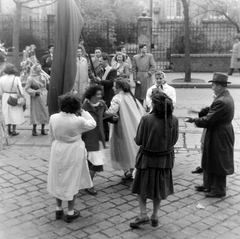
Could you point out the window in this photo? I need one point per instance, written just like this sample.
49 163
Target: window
179 8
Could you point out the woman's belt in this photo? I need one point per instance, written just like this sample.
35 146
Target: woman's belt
151 153
9 92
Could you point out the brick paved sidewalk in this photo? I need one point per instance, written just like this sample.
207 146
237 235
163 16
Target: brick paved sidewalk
27 210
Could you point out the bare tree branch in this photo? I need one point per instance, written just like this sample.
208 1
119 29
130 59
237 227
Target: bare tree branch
38 6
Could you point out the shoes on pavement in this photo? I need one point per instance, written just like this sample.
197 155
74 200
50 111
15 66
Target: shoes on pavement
154 222
215 195
59 214
91 191
139 221
14 133
70 218
201 188
44 132
197 170
34 133
127 176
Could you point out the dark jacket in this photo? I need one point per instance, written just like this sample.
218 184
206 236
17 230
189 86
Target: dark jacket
108 86
156 145
92 137
47 63
218 148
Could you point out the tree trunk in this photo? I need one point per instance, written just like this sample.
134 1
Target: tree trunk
16 34
187 41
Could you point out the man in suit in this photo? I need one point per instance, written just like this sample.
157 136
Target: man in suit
95 61
217 156
47 60
107 80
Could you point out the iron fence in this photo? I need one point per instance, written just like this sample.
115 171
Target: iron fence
167 37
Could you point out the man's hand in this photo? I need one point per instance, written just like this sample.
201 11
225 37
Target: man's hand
138 82
189 119
97 80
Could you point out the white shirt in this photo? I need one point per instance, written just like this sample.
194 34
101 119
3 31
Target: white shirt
167 89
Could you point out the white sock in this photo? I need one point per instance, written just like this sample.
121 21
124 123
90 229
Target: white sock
59 208
71 212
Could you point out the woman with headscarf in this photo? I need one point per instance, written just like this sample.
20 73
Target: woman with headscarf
156 135
10 85
36 87
123 149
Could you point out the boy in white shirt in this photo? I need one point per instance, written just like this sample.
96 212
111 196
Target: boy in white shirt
161 85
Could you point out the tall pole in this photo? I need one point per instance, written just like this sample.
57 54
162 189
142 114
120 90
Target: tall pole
151 7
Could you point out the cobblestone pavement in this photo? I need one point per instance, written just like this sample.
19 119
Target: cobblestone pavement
28 211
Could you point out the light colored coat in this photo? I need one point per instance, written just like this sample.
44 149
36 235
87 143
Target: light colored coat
11 114
68 169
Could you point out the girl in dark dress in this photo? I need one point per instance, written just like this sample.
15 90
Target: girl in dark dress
156 135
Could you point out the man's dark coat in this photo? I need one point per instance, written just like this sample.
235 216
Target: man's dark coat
218 148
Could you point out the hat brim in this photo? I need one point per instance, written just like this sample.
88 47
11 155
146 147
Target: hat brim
219 81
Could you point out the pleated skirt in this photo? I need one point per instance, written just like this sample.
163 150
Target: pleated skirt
153 183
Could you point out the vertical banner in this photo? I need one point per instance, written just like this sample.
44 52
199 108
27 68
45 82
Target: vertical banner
67 33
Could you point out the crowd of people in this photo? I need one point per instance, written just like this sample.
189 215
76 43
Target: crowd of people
139 125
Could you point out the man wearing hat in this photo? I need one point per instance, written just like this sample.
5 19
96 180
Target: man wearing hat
217 157
47 60
160 85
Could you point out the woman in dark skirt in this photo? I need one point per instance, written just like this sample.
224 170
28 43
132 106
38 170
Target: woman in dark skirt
156 135
95 139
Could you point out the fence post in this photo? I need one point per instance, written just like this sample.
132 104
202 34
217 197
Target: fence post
107 35
145 30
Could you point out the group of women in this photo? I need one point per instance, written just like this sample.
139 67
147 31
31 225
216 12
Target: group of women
36 87
138 141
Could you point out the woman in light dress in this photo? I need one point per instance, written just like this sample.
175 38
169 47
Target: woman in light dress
123 148
68 169
10 84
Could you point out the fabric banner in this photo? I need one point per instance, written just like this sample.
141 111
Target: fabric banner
67 33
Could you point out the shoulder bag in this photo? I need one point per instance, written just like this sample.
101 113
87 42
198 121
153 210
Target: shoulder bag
11 100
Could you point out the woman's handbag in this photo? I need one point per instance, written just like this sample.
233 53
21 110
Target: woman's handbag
11 100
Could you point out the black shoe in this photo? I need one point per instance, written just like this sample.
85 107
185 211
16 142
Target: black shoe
198 170
71 218
215 195
59 214
127 176
14 133
154 222
91 191
138 222
201 188
34 133
44 132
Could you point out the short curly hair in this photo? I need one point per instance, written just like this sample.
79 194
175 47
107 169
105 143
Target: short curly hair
92 90
162 104
69 103
10 69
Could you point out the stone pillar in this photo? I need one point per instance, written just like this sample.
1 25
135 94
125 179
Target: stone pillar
145 30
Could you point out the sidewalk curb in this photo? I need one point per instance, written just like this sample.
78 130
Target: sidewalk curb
200 85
